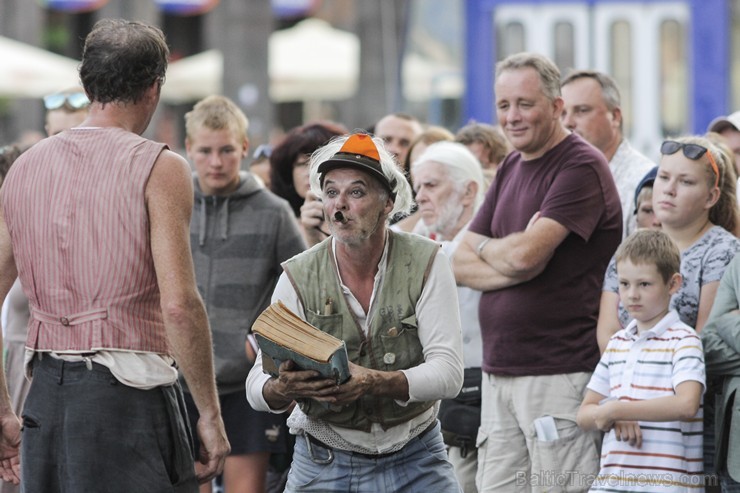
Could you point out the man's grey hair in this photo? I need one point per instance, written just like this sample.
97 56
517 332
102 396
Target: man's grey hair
609 87
545 68
402 190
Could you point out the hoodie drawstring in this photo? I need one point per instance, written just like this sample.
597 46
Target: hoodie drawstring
224 213
202 224
223 219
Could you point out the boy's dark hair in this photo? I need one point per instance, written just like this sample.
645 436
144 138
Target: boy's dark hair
8 155
651 247
299 141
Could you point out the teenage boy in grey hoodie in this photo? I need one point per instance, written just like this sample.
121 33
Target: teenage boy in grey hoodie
239 233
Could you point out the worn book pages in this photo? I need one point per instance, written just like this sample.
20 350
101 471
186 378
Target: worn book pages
283 335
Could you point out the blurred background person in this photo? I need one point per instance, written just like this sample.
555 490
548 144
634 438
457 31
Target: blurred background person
593 110
644 210
487 143
428 136
726 141
449 188
239 235
398 131
289 165
8 155
289 160
65 109
260 165
729 128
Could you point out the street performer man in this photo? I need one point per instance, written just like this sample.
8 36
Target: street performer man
392 298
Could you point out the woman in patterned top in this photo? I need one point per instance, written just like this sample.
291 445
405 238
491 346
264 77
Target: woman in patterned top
694 199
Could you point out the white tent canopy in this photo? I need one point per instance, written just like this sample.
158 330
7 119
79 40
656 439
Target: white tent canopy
310 61
313 61
194 77
31 72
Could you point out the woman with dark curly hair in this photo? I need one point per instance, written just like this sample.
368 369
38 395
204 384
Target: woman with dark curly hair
289 165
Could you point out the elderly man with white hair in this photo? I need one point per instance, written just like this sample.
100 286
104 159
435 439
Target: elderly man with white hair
392 298
449 185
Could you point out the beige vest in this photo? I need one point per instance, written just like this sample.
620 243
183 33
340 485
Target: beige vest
392 342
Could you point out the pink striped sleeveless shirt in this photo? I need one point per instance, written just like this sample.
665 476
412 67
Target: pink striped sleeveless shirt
74 206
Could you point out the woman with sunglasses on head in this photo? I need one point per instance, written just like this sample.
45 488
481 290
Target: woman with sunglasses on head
694 200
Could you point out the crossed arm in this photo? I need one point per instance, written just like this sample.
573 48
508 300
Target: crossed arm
623 415
507 261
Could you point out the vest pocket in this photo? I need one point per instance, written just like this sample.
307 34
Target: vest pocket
331 324
401 346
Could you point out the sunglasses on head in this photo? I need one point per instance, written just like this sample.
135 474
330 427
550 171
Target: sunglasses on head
262 151
691 151
74 101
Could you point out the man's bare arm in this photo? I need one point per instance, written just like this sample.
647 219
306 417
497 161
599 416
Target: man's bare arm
608 323
507 261
169 196
10 428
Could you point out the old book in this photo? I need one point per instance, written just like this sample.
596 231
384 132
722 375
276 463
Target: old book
283 335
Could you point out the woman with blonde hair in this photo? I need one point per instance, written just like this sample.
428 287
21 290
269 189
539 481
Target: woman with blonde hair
694 199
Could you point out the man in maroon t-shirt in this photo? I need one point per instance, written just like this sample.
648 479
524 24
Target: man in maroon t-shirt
538 248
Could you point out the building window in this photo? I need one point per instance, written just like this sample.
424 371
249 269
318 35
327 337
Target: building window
620 67
735 56
510 39
673 78
564 42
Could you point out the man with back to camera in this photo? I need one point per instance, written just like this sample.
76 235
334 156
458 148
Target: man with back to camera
592 110
391 297
112 292
64 110
538 249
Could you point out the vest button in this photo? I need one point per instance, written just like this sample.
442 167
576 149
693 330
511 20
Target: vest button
64 321
389 358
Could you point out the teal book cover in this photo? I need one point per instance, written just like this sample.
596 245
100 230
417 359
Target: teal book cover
273 354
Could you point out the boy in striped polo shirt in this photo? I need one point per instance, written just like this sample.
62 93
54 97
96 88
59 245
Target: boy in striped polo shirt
646 391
